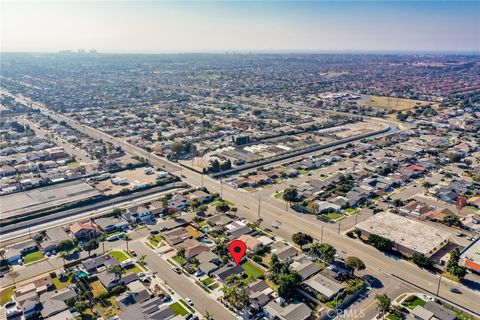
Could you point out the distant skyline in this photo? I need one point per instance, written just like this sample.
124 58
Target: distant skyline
278 26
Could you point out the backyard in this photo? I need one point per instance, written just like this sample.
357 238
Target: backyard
251 270
6 295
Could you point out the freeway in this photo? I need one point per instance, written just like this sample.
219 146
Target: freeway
291 222
13 230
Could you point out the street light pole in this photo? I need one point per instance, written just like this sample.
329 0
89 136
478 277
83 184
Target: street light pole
321 236
221 188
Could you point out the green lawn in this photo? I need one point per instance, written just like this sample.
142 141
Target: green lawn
73 164
119 255
155 240
178 309
135 269
332 216
180 260
214 286
416 302
393 317
207 281
60 284
251 270
32 257
350 210
186 305
6 295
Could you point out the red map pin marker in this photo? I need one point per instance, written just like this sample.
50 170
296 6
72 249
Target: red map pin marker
237 249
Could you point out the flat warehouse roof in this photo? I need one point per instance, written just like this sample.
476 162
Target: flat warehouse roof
408 233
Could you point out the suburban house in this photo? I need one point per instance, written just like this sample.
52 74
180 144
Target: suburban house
16 251
111 224
84 231
92 264
252 243
137 214
224 272
193 248
292 311
110 280
324 286
53 237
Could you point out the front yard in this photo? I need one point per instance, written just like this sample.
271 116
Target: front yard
178 309
6 295
32 257
119 255
155 240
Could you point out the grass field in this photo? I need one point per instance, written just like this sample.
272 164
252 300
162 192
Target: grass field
97 288
416 302
73 164
388 103
178 309
135 269
155 240
119 255
32 257
6 295
251 270
60 284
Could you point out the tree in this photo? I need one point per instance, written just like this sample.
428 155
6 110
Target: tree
127 239
383 303
328 252
380 242
102 239
421 260
90 246
355 264
117 270
181 253
13 275
452 221
290 194
63 255
222 207
301 239
287 282
65 245
81 306
234 293
453 267
257 223
315 250
397 203
427 185
177 148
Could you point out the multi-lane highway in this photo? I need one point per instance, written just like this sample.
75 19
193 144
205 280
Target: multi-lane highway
290 222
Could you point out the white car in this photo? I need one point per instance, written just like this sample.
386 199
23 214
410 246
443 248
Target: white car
189 301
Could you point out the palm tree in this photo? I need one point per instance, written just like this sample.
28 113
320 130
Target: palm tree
63 255
127 239
383 303
117 270
102 239
315 250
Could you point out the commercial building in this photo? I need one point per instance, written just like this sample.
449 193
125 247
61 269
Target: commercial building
409 236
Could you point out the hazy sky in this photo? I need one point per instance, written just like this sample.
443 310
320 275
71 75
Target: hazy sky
159 26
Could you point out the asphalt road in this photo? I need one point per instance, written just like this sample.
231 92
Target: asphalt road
291 222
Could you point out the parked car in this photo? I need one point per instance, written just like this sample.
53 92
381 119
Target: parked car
189 301
455 290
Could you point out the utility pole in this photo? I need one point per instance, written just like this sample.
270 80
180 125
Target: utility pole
321 236
221 188
201 175
258 213
438 286
356 217
339 224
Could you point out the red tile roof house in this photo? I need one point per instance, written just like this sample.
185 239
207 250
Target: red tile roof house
84 230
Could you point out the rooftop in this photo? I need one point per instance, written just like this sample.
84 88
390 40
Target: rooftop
408 233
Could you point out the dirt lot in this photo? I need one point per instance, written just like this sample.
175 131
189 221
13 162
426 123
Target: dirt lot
138 174
389 103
